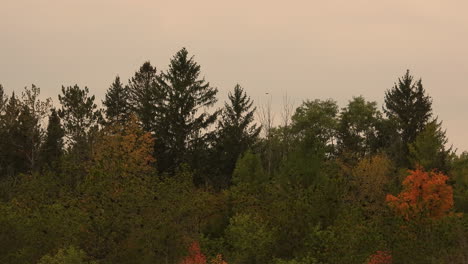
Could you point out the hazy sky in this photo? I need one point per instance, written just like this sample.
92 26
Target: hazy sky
309 49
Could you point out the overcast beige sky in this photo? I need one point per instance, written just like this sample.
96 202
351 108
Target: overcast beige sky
309 49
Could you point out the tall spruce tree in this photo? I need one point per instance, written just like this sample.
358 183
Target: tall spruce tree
52 148
409 106
117 102
80 115
236 132
181 101
142 90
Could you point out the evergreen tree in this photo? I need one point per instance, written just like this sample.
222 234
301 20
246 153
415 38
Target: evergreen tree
31 119
142 89
52 148
21 131
181 97
428 149
80 115
3 128
11 159
3 99
117 102
409 106
28 138
236 132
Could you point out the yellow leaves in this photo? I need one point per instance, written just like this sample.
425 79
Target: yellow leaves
369 178
218 260
124 150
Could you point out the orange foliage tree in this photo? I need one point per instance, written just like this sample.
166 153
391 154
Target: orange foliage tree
425 194
196 256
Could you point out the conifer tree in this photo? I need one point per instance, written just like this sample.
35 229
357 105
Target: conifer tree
21 131
116 102
428 149
142 89
181 122
3 99
236 131
409 106
33 112
11 160
80 115
52 148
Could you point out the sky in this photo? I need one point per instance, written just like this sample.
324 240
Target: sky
305 49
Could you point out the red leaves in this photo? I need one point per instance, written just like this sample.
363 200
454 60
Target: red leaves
195 257
425 194
381 257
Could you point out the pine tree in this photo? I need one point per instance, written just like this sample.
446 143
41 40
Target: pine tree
31 119
80 115
408 104
3 99
52 148
181 97
11 159
236 132
142 90
117 102
21 132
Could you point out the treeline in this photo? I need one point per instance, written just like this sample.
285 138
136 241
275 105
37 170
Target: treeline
160 175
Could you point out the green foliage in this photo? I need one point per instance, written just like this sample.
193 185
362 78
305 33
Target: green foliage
250 240
249 170
306 260
409 106
237 133
315 124
182 100
3 99
21 131
428 149
358 128
312 190
70 255
459 174
117 102
142 91
79 114
53 145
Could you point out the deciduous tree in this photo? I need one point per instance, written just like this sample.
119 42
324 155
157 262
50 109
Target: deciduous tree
425 194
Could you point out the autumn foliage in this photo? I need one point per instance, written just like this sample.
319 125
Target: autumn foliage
425 194
381 257
197 257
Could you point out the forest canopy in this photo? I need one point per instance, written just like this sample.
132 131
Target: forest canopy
160 174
